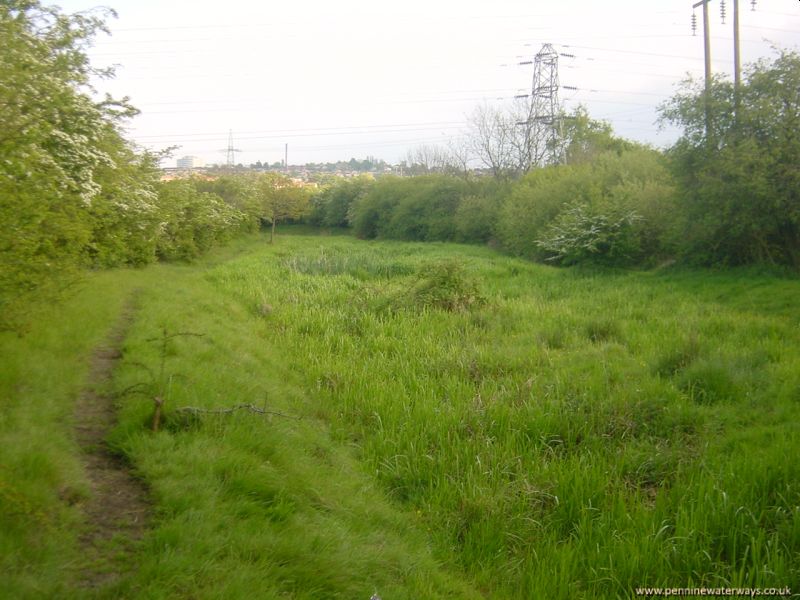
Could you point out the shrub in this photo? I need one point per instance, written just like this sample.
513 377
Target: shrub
475 218
445 286
331 207
616 209
192 222
581 234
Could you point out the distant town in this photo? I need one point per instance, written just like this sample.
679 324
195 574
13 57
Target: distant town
309 173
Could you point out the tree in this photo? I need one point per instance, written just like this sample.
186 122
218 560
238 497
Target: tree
280 199
55 141
460 156
739 179
489 133
506 140
584 138
238 191
124 215
427 159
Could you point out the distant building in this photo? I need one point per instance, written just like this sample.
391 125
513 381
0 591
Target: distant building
190 162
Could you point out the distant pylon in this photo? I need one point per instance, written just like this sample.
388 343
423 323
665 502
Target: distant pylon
230 158
545 109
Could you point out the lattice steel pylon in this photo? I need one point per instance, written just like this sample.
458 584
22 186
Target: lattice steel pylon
545 110
230 156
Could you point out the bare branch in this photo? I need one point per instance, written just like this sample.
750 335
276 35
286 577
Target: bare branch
226 411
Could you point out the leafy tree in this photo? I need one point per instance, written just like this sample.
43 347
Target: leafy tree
54 143
124 215
280 199
740 180
239 191
416 208
584 138
191 221
426 210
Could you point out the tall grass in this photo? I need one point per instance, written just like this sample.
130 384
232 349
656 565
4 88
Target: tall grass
572 434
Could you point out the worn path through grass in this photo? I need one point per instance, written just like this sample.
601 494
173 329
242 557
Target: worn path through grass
117 509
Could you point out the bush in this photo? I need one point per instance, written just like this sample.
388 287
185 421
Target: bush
443 285
331 207
370 213
191 221
582 234
475 218
617 209
417 208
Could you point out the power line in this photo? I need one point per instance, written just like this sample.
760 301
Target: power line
633 52
301 135
284 132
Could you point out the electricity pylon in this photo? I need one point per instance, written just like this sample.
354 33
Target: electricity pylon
230 156
545 110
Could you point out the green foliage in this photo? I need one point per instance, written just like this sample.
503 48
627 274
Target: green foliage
533 203
124 215
51 147
615 209
416 208
278 199
192 222
331 207
476 217
443 285
369 214
73 192
739 181
239 192
585 138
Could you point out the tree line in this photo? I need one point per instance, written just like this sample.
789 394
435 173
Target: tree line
727 193
75 194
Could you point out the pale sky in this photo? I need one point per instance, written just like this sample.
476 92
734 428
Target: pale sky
336 80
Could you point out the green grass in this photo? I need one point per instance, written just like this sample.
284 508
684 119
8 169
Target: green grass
455 424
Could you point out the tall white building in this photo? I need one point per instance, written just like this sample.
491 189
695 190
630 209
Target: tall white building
190 162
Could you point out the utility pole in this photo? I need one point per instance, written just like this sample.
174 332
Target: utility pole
737 56
707 53
286 158
737 59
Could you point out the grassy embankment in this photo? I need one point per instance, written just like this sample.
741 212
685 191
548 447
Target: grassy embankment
568 434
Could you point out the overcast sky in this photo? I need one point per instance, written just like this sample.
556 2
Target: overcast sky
352 78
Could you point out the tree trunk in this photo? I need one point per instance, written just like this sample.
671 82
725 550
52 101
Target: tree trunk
272 231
